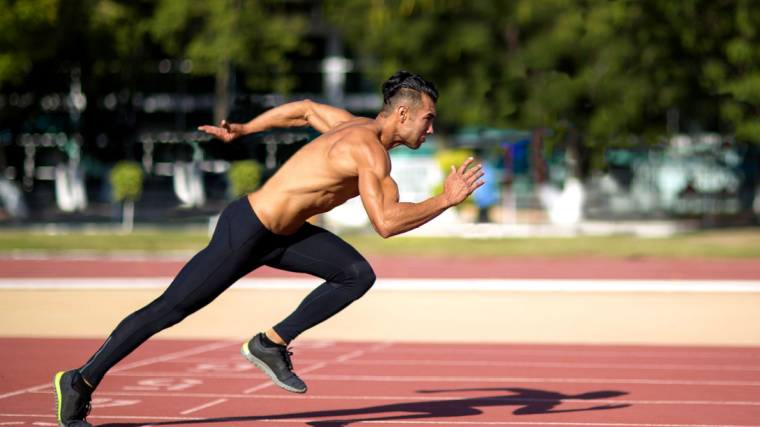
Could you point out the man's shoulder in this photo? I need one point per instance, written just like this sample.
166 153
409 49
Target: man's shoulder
360 142
357 133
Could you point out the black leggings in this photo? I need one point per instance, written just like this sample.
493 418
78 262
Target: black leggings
241 244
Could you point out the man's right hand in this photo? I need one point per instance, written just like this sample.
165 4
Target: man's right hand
226 133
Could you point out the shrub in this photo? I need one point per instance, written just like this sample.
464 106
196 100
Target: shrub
126 181
245 177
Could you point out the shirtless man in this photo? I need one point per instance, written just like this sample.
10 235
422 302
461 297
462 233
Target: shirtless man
268 227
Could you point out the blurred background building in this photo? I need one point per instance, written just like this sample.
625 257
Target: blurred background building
578 112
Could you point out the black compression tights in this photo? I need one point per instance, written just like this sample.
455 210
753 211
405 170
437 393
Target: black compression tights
240 244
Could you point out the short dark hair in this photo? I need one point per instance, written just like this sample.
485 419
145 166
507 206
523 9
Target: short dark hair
405 85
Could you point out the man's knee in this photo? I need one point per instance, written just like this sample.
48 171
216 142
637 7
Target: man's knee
359 278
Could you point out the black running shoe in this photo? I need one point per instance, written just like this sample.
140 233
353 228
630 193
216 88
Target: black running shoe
71 407
275 362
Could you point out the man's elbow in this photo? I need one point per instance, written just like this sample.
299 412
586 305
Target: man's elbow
383 230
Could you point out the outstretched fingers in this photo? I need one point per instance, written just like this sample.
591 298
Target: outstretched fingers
465 165
475 177
225 132
469 178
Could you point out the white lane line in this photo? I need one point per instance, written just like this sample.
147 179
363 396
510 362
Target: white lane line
589 351
532 380
643 366
176 355
349 356
466 379
311 368
431 398
149 361
468 285
381 346
46 387
259 387
424 362
398 422
270 383
207 405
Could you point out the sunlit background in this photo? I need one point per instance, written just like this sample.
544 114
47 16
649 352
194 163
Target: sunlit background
589 117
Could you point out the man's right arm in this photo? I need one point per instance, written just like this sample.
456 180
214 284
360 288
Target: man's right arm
294 114
380 196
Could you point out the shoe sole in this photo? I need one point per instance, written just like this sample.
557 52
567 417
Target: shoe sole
58 398
265 369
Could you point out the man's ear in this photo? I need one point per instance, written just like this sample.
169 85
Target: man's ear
403 113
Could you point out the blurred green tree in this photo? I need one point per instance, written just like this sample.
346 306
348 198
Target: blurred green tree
126 179
25 24
244 176
219 35
597 73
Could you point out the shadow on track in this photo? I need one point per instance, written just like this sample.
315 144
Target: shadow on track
529 402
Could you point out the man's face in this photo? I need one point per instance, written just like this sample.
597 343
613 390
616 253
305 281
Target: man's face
415 129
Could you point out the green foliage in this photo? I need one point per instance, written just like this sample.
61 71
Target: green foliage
245 177
25 24
126 180
607 70
256 36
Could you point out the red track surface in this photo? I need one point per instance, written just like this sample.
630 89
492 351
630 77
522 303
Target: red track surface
208 383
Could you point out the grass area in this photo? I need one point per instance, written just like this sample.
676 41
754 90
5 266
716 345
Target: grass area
730 243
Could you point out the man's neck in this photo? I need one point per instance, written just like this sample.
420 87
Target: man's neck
387 132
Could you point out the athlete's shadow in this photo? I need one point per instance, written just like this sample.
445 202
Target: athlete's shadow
528 401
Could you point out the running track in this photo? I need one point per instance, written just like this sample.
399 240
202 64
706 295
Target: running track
180 382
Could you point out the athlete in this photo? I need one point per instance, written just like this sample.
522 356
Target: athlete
269 227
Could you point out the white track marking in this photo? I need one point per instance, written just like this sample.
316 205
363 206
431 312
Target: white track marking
177 355
350 356
468 379
269 383
397 422
432 398
26 390
207 405
643 366
590 351
340 359
464 285
424 362
170 356
533 380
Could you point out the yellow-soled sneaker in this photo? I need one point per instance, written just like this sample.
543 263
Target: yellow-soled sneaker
72 407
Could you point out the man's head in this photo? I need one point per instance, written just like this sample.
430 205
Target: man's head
404 88
410 100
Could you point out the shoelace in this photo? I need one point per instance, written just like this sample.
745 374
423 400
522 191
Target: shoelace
83 408
286 353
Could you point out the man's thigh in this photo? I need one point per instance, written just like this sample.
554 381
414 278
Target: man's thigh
316 251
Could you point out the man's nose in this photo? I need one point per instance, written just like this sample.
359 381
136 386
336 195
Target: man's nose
430 129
